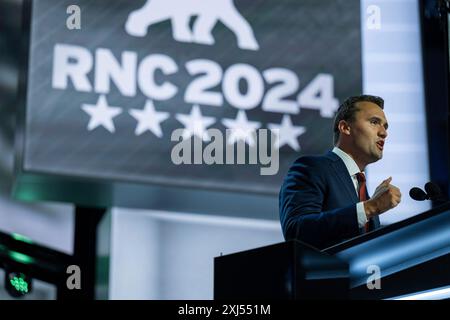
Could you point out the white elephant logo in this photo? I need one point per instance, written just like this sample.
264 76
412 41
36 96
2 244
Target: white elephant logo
208 13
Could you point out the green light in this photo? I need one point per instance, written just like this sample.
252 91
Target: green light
19 284
22 238
20 257
26 195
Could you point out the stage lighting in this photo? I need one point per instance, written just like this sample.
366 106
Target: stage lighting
17 284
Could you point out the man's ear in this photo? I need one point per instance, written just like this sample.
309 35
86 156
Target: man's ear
344 127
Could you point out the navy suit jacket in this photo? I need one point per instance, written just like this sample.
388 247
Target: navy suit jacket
318 202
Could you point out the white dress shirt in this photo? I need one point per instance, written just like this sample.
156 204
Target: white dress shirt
353 169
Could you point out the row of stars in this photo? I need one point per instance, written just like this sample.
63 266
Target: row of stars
195 124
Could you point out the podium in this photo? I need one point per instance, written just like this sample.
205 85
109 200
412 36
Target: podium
287 270
412 256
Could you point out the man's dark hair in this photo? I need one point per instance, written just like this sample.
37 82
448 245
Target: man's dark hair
348 109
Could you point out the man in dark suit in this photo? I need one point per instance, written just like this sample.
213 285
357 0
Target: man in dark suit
323 199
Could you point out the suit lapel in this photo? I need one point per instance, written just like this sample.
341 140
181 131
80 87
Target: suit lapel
342 173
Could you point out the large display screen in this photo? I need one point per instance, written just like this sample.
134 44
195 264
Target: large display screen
162 91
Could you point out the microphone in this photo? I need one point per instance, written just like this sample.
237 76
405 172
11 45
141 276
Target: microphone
433 191
418 194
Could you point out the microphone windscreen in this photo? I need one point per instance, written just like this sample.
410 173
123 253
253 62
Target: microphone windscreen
433 189
417 194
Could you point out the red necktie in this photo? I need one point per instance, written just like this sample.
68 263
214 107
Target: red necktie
362 194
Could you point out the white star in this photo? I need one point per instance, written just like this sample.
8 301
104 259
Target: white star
101 114
195 123
242 129
149 119
288 133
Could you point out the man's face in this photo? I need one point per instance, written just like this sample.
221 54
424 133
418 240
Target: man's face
368 132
